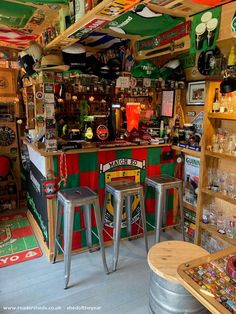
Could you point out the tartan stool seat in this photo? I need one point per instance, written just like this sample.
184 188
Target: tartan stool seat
122 191
69 199
161 184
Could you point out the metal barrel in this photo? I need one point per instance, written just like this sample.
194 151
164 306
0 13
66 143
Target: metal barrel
168 297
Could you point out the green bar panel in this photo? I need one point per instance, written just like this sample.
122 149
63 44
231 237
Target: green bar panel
167 169
101 180
142 175
154 156
126 153
88 162
55 165
94 238
83 238
73 181
77 221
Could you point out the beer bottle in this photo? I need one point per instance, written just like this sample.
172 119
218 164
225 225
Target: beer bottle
216 102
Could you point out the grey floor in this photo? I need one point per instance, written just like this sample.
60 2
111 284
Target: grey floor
37 286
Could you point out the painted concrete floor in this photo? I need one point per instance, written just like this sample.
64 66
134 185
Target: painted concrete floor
36 286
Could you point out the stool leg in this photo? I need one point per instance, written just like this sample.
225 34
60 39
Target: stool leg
88 225
57 230
143 215
159 211
68 230
128 209
116 231
100 233
181 208
164 207
104 207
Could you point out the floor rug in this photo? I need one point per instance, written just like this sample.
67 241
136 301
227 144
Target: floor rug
17 240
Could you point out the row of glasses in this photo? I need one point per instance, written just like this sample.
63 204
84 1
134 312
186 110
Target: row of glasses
215 216
221 181
224 141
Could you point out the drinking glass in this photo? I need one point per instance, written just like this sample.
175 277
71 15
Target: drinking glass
213 214
209 178
221 222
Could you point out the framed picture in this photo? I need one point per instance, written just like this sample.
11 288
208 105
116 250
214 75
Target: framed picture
167 103
196 93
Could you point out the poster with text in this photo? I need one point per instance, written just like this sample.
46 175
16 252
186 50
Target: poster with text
191 179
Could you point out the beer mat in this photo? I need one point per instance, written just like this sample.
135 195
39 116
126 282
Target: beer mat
17 240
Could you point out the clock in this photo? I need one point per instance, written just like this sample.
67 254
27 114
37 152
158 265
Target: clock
7 136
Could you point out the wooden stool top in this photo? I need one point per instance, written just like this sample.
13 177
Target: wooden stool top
165 257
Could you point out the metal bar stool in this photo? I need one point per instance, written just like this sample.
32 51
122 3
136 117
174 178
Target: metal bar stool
161 184
69 199
123 190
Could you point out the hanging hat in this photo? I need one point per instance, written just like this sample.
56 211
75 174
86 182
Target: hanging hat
52 62
75 56
26 61
93 65
114 65
35 50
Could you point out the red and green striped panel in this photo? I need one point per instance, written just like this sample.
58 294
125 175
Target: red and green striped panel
83 170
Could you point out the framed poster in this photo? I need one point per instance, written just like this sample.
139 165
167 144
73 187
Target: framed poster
196 93
167 103
7 82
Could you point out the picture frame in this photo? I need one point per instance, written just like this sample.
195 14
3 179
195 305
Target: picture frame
167 103
196 93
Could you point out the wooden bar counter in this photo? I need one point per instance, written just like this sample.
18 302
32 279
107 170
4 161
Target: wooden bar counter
92 167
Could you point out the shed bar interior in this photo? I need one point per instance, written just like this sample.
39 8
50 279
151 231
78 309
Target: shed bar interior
118 149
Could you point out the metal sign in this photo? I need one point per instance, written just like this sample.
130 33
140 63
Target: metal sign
167 37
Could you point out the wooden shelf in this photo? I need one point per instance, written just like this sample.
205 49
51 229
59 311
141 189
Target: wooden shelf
219 195
186 151
220 155
222 116
189 206
214 232
190 220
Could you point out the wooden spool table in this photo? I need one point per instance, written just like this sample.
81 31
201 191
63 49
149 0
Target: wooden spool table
166 294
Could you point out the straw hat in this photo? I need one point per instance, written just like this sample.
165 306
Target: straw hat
52 62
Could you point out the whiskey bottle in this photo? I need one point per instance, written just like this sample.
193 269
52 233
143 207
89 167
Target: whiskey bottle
216 102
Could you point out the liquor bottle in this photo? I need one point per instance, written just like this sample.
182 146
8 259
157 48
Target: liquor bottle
216 102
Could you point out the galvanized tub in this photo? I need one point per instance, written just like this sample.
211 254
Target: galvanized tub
168 297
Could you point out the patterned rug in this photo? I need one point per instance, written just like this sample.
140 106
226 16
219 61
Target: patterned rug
17 240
